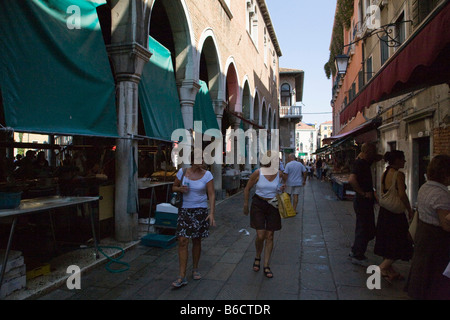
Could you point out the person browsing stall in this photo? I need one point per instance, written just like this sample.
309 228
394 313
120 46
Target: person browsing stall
392 235
361 181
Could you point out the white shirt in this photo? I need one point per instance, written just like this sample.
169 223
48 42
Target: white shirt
432 196
294 170
265 188
197 196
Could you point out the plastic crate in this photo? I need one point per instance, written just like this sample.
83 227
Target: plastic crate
166 220
166 207
39 271
10 200
159 240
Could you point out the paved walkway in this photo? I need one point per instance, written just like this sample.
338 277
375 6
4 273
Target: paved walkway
310 261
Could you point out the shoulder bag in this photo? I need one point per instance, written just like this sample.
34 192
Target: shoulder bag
176 198
413 226
390 200
285 207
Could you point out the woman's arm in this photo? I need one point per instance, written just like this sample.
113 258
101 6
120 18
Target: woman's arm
177 187
444 219
212 202
251 182
283 180
401 188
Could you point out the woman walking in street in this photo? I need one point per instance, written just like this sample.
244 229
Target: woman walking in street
432 238
264 217
197 186
392 235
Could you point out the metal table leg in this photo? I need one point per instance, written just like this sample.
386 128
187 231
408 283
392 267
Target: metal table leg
150 210
8 248
91 213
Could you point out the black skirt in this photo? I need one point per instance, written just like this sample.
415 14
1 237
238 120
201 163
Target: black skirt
192 223
392 236
264 216
431 257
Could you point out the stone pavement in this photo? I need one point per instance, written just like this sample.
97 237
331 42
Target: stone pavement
310 261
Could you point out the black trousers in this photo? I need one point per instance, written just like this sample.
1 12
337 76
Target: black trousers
365 225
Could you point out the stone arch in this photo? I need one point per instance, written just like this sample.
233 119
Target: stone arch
274 120
255 116
209 63
170 24
263 113
246 101
232 88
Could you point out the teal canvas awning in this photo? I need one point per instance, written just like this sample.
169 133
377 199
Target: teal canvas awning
204 109
158 95
55 75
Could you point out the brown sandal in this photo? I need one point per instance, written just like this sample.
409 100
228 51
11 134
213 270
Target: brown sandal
268 272
257 267
386 276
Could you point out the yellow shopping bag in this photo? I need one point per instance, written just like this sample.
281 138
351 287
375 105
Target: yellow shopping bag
285 206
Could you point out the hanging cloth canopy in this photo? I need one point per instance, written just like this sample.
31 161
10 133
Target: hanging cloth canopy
158 95
55 75
204 110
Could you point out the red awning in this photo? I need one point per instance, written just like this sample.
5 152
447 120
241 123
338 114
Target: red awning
363 128
422 61
254 124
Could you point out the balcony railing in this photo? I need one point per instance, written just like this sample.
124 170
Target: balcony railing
291 112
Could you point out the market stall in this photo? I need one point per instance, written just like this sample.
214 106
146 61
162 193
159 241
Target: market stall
41 205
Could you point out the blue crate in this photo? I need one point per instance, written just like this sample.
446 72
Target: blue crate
10 200
166 219
159 240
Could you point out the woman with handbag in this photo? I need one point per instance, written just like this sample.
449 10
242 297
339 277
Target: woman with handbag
392 231
264 217
426 279
197 186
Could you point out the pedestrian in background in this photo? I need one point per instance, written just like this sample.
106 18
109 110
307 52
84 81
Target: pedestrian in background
392 231
319 168
264 217
295 175
194 221
361 181
432 239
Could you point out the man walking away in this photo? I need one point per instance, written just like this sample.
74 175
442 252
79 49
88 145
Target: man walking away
295 177
361 182
319 169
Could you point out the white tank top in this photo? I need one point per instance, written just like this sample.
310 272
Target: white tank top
265 188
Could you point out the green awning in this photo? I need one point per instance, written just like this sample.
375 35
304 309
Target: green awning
55 77
158 95
204 109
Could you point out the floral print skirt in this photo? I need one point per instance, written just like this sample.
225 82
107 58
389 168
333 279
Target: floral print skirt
192 223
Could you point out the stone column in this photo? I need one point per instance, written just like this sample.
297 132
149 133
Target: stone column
128 60
128 54
216 170
188 90
188 93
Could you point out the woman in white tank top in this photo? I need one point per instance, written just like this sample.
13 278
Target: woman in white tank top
263 216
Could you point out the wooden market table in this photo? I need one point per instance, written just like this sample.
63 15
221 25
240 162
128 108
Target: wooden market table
43 204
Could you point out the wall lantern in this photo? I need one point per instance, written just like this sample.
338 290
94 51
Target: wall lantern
341 61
